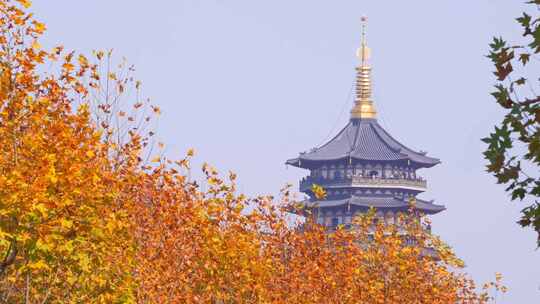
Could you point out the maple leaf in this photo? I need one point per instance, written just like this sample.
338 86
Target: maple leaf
36 45
85 220
25 3
318 191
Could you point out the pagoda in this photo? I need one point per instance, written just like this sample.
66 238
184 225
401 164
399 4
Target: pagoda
363 166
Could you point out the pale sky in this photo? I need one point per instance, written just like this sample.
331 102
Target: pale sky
249 84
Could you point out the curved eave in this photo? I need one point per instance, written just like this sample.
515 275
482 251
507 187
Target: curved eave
416 157
363 140
293 162
378 203
307 162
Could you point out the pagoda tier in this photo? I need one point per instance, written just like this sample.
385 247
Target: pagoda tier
363 140
355 204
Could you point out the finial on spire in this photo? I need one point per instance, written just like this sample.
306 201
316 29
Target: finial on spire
363 104
363 52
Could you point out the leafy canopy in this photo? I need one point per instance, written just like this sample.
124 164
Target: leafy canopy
89 213
513 151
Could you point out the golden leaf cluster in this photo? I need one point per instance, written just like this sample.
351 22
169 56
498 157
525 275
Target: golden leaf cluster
87 215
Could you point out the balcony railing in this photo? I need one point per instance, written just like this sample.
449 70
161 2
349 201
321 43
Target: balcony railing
365 182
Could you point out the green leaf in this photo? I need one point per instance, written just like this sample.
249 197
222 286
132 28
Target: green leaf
502 96
497 44
520 81
519 192
525 20
487 140
524 58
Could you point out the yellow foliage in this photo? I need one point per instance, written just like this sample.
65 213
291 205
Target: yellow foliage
84 219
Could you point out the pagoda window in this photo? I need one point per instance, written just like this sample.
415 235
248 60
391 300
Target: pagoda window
379 170
331 172
324 172
395 172
342 171
388 171
373 174
390 217
320 220
328 219
358 170
338 219
348 219
399 218
349 172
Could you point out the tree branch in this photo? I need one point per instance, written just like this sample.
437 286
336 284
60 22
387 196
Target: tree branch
9 259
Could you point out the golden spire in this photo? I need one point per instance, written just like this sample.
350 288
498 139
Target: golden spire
363 105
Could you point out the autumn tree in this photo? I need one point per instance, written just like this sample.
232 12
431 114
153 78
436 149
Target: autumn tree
91 213
219 247
513 151
63 221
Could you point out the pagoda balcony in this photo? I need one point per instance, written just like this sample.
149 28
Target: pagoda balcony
365 182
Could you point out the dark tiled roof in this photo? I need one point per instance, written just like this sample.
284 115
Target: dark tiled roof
378 202
364 139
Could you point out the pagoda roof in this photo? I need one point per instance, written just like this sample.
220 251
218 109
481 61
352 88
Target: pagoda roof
363 139
427 207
